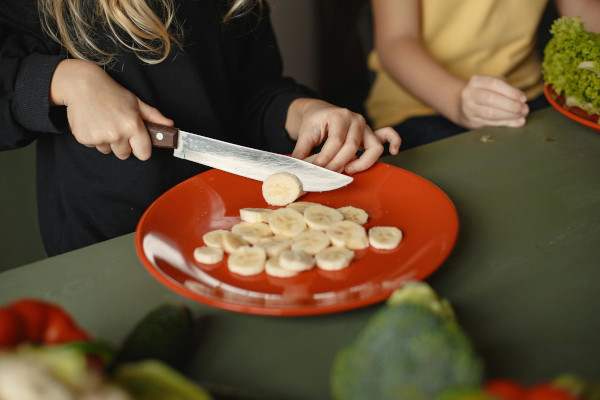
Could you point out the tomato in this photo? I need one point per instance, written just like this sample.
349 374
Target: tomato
12 329
35 315
504 389
547 391
60 328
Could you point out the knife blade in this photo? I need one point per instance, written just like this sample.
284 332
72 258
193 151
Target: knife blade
244 161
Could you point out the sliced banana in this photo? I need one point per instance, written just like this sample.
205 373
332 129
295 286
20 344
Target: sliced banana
214 238
311 241
311 158
286 222
281 188
247 260
208 255
334 258
385 237
300 206
348 234
232 241
354 214
255 214
296 260
252 231
273 268
274 245
320 217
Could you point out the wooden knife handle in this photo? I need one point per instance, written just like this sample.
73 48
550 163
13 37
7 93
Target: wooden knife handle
162 136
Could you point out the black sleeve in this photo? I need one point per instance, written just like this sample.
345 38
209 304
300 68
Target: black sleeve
26 68
266 94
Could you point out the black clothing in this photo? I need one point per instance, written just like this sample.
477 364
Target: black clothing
225 82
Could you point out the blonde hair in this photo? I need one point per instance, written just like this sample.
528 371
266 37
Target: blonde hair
147 28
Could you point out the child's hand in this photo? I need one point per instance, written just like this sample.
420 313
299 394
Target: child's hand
102 113
312 122
488 100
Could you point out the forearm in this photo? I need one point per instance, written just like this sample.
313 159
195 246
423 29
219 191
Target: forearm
408 63
587 10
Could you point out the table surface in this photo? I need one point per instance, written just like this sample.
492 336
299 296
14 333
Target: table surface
523 277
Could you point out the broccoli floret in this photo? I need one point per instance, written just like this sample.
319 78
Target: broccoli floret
412 348
572 64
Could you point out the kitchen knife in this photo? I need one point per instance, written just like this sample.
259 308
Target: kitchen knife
243 161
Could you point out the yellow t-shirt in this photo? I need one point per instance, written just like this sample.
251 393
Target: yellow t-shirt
468 37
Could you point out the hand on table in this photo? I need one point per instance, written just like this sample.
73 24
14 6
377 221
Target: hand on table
102 113
312 122
488 100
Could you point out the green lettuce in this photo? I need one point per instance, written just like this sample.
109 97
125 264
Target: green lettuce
572 64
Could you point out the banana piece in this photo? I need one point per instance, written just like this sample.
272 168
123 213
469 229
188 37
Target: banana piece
214 238
354 214
255 214
232 241
300 206
273 268
311 158
334 258
208 255
385 237
247 260
296 260
319 217
286 222
348 234
310 241
274 245
281 188
252 231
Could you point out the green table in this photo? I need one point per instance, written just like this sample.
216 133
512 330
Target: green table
524 276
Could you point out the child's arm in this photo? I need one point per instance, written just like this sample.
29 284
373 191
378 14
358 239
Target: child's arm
587 10
484 100
311 122
102 113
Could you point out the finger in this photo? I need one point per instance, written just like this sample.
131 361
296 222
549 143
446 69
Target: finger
103 148
493 113
389 135
140 145
498 85
512 122
151 114
342 143
121 149
373 149
304 146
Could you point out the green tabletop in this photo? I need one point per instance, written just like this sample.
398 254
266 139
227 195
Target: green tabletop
524 275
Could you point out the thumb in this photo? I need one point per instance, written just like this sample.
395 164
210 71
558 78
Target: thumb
151 114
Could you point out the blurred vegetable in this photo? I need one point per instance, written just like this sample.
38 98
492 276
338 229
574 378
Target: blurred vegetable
572 64
39 322
412 348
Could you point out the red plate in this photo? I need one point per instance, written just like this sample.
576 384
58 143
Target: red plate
575 113
173 226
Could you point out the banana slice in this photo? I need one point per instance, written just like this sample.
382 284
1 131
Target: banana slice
247 260
255 214
296 260
348 234
252 231
300 206
214 238
282 188
385 237
286 222
334 258
208 255
274 245
310 241
311 158
354 214
320 217
232 241
273 268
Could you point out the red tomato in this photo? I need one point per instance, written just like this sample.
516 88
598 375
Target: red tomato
504 389
547 391
35 315
60 328
12 329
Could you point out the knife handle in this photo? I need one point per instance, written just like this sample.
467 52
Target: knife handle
162 136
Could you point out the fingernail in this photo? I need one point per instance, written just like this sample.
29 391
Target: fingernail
350 170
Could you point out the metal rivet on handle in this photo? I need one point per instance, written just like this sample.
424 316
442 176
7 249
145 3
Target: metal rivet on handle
159 136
